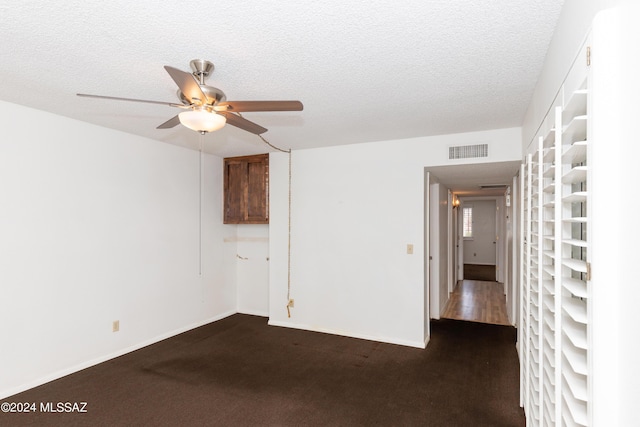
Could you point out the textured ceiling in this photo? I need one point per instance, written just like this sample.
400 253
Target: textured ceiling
365 70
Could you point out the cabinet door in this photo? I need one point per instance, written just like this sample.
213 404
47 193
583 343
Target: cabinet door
234 189
257 211
246 190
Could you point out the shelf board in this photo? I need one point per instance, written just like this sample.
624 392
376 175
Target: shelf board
575 264
576 105
576 242
550 138
549 154
548 320
576 410
549 188
576 130
549 414
575 286
536 347
550 171
551 254
575 175
549 269
577 335
577 384
548 366
576 309
575 153
576 358
576 197
549 286
575 220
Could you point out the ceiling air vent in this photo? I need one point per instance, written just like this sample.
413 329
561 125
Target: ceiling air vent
468 151
493 186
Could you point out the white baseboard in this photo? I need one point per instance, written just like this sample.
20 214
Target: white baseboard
254 312
83 365
481 263
406 343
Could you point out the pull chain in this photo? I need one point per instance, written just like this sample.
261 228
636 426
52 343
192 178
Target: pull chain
289 301
289 246
201 140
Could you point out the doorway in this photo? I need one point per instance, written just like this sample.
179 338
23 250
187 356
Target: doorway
473 184
479 234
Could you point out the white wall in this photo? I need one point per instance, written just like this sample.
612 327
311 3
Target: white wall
354 210
96 226
623 177
615 112
501 249
253 269
438 241
481 248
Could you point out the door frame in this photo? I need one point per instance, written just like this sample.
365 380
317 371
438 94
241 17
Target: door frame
427 255
499 234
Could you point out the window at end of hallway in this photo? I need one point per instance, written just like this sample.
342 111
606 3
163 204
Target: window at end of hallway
467 222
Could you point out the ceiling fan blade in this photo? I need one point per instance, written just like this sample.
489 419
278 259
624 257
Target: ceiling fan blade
115 98
172 122
242 123
188 85
242 106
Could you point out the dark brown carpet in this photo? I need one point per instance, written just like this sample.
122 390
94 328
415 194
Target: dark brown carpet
241 372
486 273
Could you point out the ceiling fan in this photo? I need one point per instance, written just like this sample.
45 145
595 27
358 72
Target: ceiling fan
206 107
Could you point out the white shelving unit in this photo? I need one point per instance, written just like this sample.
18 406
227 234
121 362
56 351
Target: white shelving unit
555 295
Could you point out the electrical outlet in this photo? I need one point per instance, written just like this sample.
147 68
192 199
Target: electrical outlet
410 249
291 302
116 325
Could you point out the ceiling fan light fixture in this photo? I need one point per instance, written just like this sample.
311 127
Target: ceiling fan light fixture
202 120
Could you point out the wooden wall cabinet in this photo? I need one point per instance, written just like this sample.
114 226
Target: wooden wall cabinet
246 189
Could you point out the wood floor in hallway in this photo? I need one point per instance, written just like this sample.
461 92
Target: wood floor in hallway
478 301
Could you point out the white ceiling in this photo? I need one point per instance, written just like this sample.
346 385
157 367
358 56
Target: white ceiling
364 70
480 179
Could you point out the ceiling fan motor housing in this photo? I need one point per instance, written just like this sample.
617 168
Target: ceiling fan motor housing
214 95
201 69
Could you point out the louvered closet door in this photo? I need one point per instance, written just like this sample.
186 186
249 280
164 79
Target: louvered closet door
548 263
531 349
574 248
554 344
525 237
542 363
535 334
523 330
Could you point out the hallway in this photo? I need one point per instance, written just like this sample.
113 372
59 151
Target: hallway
477 301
